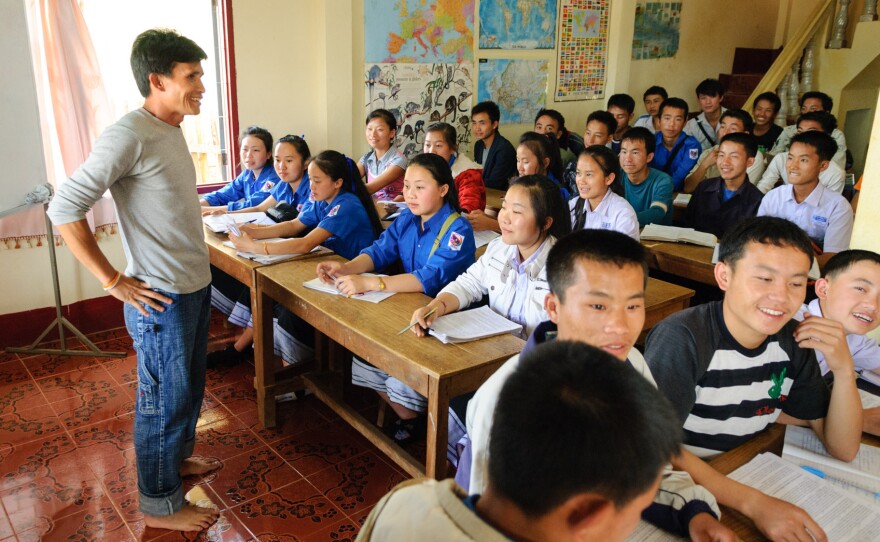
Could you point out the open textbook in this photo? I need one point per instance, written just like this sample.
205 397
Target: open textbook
861 476
483 237
371 296
220 223
673 234
471 325
842 515
272 258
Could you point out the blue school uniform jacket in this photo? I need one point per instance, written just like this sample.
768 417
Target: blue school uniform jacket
245 191
405 240
300 200
683 161
344 217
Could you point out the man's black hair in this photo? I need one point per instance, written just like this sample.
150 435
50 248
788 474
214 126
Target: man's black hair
655 91
745 118
489 108
600 246
771 97
675 103
826 120
822 143
843 260
572 419
710 87
746 140
553 114
605 118
623 101
827 102
157 51
765 230
640 133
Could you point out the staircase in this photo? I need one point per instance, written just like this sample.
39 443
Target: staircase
749 67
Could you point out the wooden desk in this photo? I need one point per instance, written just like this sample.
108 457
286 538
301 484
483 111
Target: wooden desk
437 371
493 198
771 440
663 299
687 261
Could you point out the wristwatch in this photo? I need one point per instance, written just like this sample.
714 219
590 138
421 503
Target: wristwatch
381 284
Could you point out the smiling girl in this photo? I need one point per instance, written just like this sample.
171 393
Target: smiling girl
384 164
434 245
441 139
256 180
597 206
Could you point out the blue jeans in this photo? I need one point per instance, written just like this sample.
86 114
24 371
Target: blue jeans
171 351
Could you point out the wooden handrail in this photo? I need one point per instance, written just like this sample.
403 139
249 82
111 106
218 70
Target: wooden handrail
792 50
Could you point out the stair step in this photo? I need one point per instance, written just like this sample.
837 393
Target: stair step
737 100
751 60
740 82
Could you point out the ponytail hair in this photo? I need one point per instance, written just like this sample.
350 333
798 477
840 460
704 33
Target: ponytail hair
441 172
338 166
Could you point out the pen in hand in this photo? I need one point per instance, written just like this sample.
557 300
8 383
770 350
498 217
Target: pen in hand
412 325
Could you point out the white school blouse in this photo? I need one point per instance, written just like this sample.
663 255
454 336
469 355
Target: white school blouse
612 213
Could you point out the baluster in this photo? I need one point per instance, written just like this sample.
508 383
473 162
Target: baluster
793 87
838 35
782 92
870 13
808 64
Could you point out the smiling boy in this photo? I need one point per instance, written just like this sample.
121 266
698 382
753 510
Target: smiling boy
731 368
675 152
710 94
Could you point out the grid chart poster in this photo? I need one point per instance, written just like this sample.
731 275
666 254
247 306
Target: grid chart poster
583 50
419 95
519 87
656 30
517 24
419 31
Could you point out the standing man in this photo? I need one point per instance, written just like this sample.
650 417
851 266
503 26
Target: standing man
144 161
492 150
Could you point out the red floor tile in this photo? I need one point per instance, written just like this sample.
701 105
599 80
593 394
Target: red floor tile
224 376
7 356
315 450
45 365
76 383
342 531
289 513
292 417
123 370
224 439
118 473
238 397
250 475
99 521
227 528
32 460
12 370
39 503
107 437
94 407
5 527
357 483
28 425
210 415
20 396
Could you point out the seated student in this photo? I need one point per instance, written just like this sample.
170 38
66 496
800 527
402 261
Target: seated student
256 181
732 121
720 202
384 164
588 489
832 178
228 295
825 216
704 127
648 190
849 293
599 131
810 102
492 150
597 206
551 122
731 368
597 296
652 97
434 244
441 139
341 218
676 152
622 107
764 110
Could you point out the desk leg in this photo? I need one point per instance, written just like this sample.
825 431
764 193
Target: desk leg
438 418
264 356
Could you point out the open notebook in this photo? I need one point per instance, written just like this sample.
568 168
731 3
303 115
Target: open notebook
220 223
272 258
471 325
371 296
673 234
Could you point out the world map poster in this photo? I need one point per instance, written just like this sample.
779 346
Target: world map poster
519 87
656 30
517 24
419 31
583 49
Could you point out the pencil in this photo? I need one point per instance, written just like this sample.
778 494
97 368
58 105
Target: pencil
412 325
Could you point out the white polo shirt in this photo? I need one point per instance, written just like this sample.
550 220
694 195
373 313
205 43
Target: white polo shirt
825 215
693 128
832 178
612 213
864 350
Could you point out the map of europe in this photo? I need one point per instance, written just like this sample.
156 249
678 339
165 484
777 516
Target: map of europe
519 87
419 31
518 24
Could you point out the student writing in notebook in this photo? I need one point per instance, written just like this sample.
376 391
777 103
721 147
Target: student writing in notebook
849 293
732 368
434 245
256 181
341 218
597 296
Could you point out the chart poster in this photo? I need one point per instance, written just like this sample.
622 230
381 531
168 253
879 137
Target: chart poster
517 24
583 50
656 30
519 87
419 95
419 31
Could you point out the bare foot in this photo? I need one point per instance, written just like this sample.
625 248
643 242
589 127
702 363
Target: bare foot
188 518
193 466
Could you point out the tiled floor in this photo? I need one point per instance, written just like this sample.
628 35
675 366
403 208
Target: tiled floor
67 458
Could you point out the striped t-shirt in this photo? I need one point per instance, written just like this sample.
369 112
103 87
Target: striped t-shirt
726 394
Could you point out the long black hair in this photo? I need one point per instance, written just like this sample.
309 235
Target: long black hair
338 166
442 173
